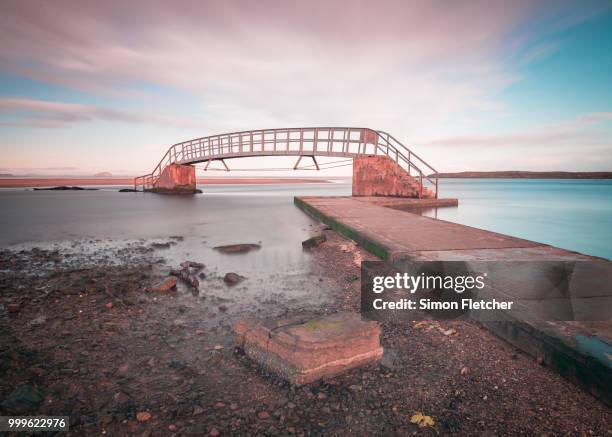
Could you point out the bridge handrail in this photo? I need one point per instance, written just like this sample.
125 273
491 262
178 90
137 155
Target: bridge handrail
408 159
396 141
385 143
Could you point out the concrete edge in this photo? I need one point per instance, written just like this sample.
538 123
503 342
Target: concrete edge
533 338
558 353
371 246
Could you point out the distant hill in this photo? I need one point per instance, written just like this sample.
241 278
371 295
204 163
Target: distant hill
104 174
529 174
6 175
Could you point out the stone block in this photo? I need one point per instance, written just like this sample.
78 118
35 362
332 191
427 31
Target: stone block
303 350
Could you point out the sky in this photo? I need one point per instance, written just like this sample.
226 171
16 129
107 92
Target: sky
88 86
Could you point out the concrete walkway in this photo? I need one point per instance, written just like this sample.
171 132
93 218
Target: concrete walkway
397 234
580 351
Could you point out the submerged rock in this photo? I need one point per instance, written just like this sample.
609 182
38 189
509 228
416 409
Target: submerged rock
160 245
65 188
232 278
128 190
237 248
315 241
166 285
185 275
192 264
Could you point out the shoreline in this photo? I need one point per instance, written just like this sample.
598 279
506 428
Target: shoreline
148 351
51 182
525 175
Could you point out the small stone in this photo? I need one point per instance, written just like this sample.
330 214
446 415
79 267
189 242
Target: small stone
160 245
321 396
214 432
38 321
109 305
313 242
237 248
193 265
281 402
232 278
105 419
233 406
220 405
143 416
263 415
12 308
120 399
464 370
166 285
197 410
172 427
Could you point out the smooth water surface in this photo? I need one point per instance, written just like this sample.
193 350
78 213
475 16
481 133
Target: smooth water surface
572 214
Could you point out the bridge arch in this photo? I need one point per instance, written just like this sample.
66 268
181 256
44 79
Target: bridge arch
350 142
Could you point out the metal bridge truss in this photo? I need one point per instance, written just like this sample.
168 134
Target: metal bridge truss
312 141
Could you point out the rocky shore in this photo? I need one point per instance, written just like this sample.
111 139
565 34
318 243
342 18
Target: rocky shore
85 333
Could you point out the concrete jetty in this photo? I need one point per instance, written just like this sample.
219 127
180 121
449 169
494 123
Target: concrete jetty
580 351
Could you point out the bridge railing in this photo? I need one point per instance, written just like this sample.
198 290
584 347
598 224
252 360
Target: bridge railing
316 141
426 174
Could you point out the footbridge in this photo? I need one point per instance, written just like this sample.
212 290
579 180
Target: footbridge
382 166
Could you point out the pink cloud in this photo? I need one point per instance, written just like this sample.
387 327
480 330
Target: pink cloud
418 69
41 113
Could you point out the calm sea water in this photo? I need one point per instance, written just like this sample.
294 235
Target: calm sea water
572 214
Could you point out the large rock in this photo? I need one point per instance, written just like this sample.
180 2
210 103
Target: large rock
303 351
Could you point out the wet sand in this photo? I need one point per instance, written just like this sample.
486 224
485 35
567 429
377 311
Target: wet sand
53 182
81 326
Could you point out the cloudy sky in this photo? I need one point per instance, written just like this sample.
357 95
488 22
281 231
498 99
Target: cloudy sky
88 86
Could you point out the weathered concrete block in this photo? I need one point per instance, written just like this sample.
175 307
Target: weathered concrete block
381 176
176 179
303 351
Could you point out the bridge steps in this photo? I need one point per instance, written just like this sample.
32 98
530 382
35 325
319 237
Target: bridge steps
381 176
